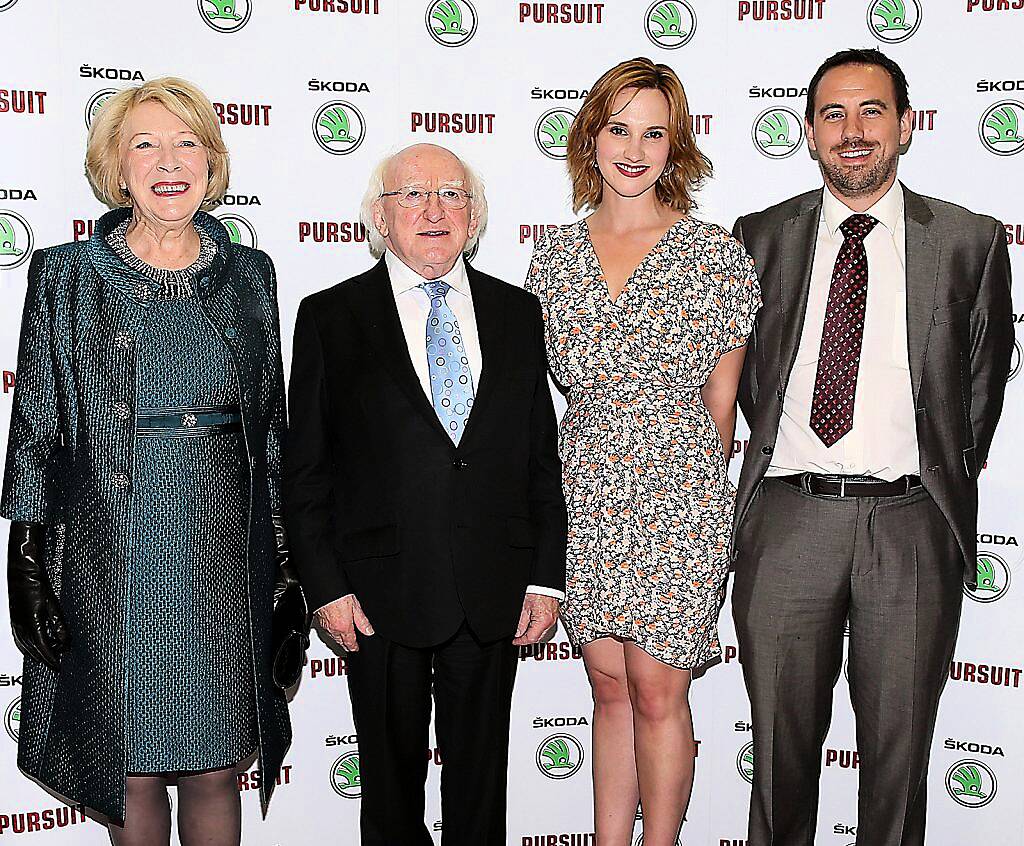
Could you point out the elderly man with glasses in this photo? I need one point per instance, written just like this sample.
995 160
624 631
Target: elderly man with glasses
424 500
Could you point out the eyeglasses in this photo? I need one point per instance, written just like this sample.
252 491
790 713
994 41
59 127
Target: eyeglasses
415 198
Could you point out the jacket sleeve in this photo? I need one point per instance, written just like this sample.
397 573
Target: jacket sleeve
30 490
547 502
748 377
991 343
308 468
277 424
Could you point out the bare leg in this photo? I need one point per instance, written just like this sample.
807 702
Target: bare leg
616 793
209 809
147 813
663 740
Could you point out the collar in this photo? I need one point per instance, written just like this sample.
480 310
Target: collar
404 278
888 210
110 266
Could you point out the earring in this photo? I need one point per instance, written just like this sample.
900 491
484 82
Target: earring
596 165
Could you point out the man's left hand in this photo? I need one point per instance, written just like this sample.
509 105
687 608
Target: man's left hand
539 617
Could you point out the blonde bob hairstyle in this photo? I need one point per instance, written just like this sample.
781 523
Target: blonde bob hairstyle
375 190
182 99
687 166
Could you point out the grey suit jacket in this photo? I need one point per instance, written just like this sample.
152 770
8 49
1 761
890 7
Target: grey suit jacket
960 337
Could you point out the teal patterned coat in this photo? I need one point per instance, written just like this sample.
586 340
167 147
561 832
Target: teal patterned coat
69 465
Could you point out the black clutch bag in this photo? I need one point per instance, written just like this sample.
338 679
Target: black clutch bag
290 622
290 636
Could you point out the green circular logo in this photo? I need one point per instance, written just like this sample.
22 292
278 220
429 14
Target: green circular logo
971 783
16 240
345 776
670 23
745 762
12 716
778 132
993 578
240 231
451 23
338 127
95 103
225 15
1000 128
893 21
552 132
559 756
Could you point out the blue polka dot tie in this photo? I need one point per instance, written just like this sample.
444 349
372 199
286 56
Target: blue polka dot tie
451 383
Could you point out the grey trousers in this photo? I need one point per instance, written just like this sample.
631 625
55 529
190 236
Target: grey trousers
804 565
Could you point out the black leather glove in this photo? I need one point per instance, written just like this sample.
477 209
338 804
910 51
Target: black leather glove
291 617
36 621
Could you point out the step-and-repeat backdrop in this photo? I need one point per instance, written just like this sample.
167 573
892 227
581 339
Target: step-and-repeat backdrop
312 93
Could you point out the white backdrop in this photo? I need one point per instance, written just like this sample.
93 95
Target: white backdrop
497 81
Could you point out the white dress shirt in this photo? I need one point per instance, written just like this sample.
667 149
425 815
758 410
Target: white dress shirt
413 309
883 440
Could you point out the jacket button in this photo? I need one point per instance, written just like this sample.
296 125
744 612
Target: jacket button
459 464
122 411
119 480
767 450
231 332
123 341
781 395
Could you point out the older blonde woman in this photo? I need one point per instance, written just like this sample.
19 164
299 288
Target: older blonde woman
142 474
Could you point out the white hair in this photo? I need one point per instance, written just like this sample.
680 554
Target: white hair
474 186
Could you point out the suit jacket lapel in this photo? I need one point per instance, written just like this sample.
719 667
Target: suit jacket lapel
799 236
489 308
922 279
379 313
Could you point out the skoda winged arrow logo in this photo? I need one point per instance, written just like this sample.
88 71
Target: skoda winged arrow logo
559 756
16 240
338 127
778 132
240 231
95 103
451 22
12 719
993 578
225 15
971 783
893 21
1001 128
345 776
745 762
670 23
552 132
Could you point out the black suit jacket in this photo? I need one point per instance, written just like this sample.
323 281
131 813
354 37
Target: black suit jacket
380 502
960 338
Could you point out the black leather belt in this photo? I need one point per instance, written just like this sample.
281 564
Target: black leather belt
838 486
188 422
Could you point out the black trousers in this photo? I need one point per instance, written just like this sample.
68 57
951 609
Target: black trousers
805 563
390 687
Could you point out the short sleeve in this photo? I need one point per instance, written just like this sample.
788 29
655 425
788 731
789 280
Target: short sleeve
537 276
741 295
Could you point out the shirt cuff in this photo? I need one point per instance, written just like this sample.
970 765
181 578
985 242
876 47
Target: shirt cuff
546 591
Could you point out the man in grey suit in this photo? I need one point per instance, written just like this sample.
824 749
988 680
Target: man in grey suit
873 383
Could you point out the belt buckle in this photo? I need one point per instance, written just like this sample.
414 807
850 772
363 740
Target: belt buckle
840 479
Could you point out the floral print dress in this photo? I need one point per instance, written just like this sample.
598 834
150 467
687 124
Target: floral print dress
650 504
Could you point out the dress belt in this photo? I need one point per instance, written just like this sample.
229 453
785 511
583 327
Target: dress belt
843 486
188 421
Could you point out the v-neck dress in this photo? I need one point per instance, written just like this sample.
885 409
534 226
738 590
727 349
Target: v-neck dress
650 504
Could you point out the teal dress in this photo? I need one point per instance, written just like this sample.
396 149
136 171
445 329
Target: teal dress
191 701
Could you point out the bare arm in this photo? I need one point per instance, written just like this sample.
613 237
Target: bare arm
719 395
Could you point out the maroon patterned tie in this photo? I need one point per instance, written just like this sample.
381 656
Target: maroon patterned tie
835 384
